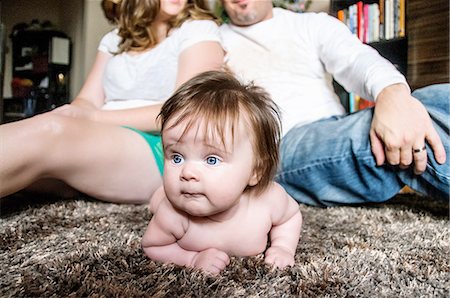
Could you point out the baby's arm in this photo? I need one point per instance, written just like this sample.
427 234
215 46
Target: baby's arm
286 229
157 197
160 241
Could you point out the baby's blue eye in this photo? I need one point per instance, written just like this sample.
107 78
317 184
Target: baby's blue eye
177 158
212 160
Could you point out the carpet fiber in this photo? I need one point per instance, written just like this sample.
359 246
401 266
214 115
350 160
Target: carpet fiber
74 248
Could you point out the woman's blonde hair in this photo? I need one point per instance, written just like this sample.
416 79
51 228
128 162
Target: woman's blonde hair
111 10
136 17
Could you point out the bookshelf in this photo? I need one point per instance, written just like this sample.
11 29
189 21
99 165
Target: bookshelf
422 54
381 24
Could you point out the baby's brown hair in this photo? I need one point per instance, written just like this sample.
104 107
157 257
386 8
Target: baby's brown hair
221 100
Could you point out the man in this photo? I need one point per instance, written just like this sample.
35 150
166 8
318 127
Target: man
329 158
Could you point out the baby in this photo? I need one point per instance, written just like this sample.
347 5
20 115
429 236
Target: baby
220 140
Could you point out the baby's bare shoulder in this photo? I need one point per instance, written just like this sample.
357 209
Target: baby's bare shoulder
282 206
277 200
274 193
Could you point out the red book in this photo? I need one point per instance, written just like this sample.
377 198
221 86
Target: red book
364 103
366 23
360 19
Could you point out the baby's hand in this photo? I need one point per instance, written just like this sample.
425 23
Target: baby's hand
211 260
279 257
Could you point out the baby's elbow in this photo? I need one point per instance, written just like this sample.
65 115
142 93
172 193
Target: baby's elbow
299 216
148 250
299 222
146 245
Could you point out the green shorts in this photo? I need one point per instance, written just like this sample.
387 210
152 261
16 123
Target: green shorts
154 141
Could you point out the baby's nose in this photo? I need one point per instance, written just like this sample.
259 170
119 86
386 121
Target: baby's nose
190 171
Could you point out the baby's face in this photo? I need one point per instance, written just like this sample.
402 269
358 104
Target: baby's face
203 176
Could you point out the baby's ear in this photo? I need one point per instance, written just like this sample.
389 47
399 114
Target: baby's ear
254 179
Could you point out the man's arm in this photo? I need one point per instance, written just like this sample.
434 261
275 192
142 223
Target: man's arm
400 125
356 66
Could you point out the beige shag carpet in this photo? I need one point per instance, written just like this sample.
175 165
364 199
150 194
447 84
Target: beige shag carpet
81 248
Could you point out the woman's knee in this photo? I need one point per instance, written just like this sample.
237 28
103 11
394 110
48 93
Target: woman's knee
52 126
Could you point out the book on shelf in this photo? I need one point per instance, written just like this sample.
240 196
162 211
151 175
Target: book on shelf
402 19
356 103
372 22
381 20
360 20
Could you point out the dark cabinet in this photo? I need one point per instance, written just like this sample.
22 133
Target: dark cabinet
40 72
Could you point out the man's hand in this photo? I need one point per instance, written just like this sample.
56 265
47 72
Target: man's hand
400 129
279 257
211 260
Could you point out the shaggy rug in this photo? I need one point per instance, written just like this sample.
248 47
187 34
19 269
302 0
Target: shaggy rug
78 248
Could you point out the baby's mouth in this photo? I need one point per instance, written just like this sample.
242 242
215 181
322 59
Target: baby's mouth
191 194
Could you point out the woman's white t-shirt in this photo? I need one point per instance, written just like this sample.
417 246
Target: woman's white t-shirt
133 80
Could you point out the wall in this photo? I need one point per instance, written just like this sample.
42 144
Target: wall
428 42
73 25
96 26
319 5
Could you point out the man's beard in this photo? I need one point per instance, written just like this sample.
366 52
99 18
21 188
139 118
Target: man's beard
246 19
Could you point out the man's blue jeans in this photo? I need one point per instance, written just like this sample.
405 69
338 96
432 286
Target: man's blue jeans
329 162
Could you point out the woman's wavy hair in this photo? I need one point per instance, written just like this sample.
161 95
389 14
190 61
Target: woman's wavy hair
222 101
135 18
111 10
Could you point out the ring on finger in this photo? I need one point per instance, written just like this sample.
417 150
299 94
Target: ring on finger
420 149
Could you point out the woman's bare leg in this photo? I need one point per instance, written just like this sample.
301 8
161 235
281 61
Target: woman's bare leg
52 186
104 161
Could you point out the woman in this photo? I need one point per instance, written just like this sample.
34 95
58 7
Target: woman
93 144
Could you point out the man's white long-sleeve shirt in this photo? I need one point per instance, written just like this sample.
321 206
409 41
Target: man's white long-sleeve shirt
294 56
